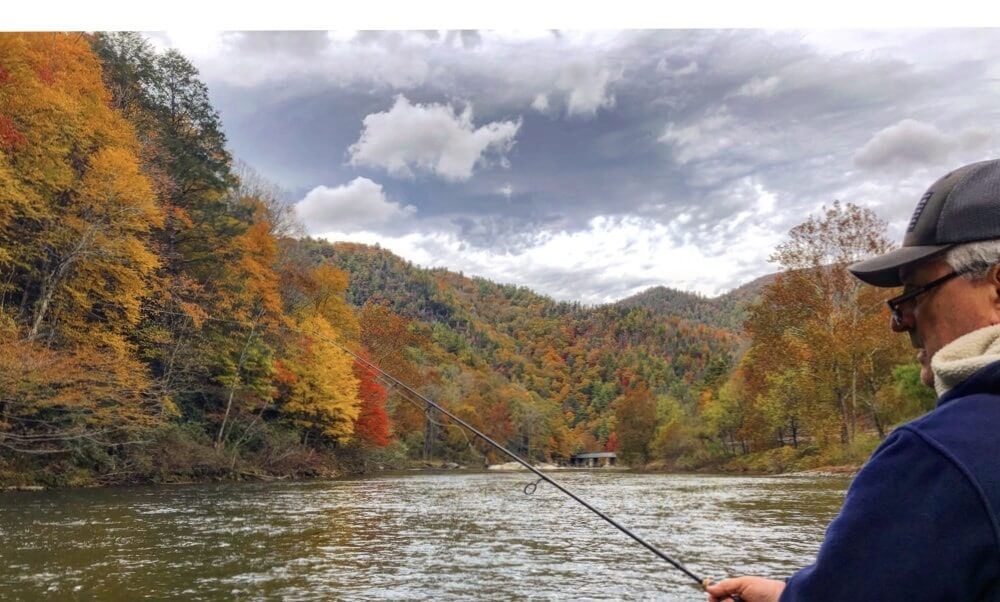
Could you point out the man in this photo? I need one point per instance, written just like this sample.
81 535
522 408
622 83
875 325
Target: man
920 521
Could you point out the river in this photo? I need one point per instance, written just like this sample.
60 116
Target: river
454 536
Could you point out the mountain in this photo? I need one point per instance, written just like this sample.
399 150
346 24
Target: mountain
568 363
726 311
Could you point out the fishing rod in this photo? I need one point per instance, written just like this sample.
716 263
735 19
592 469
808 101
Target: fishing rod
531 487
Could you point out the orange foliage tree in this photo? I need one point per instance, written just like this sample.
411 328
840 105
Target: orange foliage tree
820 350
75 238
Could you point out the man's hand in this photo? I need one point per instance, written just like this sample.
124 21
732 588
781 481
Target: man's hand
750 589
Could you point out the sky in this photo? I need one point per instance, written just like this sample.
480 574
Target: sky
592 164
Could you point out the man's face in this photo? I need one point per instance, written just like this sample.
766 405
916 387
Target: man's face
946 312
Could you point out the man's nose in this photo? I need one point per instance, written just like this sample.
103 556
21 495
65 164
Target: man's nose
903 324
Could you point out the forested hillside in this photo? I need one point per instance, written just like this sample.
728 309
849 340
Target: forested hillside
727 311
571 365
163 319
154 323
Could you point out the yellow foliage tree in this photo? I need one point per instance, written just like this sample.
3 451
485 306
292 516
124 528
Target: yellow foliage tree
318 388
322 391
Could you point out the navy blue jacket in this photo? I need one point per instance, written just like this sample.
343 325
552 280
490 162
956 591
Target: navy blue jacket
920 520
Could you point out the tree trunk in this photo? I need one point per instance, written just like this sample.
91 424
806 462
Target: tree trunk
854 401
55 277
428 434
49 286
246 434
232 389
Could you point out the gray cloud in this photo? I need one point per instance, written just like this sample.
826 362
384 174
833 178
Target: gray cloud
910 143
907 142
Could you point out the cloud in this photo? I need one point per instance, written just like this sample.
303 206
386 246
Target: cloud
510 70
759 87
689 69
612 258
974 139
359 204
704 138
305 44
587 88
251 58
908 142
432 138
664 67
541 103
911 143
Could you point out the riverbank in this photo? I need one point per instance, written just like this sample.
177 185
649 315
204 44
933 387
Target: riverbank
173 460
43 481
787 460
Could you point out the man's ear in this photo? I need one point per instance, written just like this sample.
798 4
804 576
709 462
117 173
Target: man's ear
993 277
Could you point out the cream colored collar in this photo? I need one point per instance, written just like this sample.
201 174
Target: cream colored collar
959 359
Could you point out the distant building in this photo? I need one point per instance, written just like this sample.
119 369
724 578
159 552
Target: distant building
593 460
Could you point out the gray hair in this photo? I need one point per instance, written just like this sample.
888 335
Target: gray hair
974 259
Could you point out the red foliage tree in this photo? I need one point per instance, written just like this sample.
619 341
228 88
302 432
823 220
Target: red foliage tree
372 425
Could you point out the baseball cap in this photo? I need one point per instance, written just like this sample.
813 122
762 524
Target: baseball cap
963 206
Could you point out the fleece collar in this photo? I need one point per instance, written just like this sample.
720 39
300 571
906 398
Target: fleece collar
967 354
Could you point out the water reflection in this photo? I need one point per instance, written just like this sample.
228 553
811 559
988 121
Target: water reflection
414 537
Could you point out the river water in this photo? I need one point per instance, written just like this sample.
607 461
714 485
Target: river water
455 536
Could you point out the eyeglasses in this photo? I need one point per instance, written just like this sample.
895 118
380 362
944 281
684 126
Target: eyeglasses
896 303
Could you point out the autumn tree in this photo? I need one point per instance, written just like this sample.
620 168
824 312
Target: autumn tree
390 340
321 393
635 417
819 336
371 427
214 317
320 388
76 254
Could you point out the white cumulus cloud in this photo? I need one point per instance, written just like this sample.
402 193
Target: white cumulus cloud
360 204
433 138
587 88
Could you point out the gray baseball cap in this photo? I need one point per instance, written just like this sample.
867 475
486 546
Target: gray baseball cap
963 206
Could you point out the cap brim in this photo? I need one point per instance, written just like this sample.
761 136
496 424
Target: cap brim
884 269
